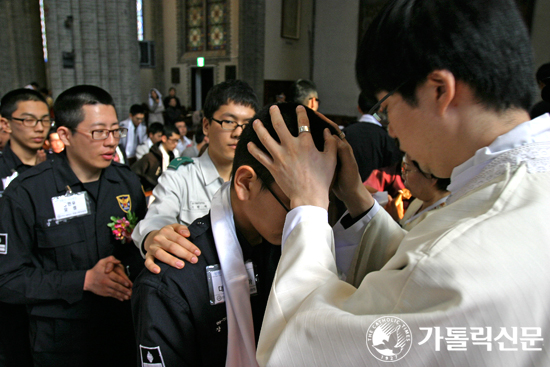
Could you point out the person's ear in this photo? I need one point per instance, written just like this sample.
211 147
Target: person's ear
205 126
246 183
443 85
4 125
164 139
65 135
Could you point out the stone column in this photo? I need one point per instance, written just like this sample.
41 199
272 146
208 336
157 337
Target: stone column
252 44
101 35
21 56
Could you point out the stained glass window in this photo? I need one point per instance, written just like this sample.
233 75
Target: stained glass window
139 11
43 30
216 27
206 25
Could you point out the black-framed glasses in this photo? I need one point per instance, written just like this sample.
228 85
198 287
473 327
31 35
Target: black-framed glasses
104 133
229 125
33 121
383 115
277 198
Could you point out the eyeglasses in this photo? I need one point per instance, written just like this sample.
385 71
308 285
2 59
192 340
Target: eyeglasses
104 133
277 198
383 115
33 121
229 125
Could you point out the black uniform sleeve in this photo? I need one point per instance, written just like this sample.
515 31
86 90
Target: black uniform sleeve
21 279
163 321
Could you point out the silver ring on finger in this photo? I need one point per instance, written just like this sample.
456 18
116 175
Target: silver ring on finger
303 129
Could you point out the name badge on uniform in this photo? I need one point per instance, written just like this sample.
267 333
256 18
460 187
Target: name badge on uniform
71 205
215 284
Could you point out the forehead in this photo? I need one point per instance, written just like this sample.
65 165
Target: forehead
36 108
236 110
99 114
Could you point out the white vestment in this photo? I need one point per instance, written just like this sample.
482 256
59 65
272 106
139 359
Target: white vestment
479 264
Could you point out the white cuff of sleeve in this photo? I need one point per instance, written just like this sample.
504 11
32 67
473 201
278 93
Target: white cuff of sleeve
347 240
301 214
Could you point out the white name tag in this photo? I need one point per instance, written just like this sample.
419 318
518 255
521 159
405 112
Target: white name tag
71 205
215 284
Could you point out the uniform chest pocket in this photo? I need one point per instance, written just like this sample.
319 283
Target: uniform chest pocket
63 246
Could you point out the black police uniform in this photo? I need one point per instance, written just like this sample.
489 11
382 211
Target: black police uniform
46 260
173 317
9 164
14 330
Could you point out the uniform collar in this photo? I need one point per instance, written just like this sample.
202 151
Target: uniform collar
64 175
11 159
209 171
370 119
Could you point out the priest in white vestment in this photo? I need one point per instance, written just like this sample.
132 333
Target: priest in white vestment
469 285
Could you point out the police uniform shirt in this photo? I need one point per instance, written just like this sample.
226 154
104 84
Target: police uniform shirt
44 261
183 193
174 320
9 164
13 318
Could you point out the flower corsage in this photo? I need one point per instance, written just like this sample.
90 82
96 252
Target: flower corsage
123 227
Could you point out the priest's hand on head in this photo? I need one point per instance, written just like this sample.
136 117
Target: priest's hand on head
303 172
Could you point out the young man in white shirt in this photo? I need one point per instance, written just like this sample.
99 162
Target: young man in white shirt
185 190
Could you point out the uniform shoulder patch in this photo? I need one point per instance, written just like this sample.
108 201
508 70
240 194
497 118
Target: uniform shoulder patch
180 161
151 357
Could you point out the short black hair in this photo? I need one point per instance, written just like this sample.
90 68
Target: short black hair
68 105
11 100
366 101
301 90
136 108
288 111
236 91
484 44
154 128
168 130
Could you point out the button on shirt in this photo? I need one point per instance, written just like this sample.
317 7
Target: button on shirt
181 196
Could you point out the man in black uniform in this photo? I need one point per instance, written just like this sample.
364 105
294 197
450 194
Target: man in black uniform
195 316
58 255
372 146
25 116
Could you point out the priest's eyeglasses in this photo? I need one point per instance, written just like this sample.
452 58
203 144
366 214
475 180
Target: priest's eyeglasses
375 110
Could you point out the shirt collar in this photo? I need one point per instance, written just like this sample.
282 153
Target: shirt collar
209 171
64 175
370 119
12 159
534 131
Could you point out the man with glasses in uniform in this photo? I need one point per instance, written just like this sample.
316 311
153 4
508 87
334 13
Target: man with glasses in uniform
26 120
186 188
58 255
